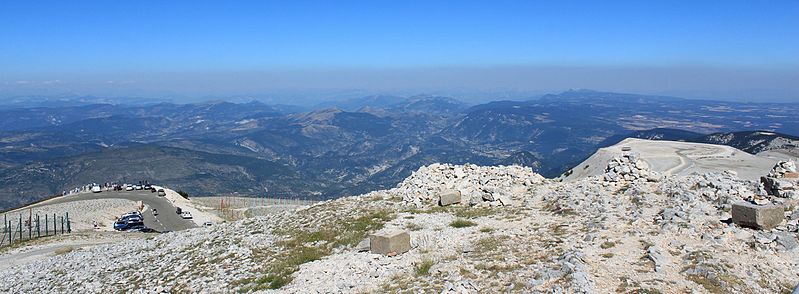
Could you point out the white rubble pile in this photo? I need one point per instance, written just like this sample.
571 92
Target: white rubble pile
720 189
495 185
628 168
782 181
581 236
782 168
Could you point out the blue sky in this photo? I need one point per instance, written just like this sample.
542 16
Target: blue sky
90 43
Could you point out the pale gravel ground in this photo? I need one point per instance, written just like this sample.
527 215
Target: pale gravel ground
42 248
535 245
679 158
580 236
82 213
241 207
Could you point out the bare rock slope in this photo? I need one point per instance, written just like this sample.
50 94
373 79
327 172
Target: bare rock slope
511 231
677 158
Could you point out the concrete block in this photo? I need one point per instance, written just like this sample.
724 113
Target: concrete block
397 241
449 197
757 216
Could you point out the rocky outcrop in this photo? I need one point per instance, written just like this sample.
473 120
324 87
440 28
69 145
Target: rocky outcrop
782 181
493 185
628 168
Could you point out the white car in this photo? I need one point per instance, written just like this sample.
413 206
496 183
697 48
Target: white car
185 215
129 188
96 189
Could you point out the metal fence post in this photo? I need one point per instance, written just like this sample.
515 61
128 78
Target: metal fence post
69 229
38 227
55 225
20 227
62 224
46 224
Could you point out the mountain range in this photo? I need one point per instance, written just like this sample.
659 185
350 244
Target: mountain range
351 146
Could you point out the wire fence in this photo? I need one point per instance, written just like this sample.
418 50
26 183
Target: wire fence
32 226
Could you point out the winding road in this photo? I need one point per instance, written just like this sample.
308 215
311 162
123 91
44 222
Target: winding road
166 220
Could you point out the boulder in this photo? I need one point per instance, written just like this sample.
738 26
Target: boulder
787 241
505 200
393 241
363 246
449 197
757 216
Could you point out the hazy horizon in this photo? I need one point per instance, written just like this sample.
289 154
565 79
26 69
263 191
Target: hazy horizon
310 51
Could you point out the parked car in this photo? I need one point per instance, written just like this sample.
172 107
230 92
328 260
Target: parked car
208 224
120 225
130 214
138 187
178 210
186 215
148 187
96 189
161 192
136 228
129 188
134 220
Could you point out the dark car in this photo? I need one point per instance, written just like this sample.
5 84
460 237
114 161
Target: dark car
178 210
120 225
134 220
136 228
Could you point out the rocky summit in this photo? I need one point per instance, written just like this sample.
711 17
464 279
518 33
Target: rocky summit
503 229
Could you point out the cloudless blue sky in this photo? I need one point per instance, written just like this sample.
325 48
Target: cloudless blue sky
62 39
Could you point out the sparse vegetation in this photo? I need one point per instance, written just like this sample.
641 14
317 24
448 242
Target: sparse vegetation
423 267
607 244
305 246
413 227
182 193
462 223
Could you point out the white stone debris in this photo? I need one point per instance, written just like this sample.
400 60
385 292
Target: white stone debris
497 185
638 233
782 181
628 168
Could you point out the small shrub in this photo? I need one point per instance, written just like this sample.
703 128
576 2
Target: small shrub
607 245
486 230
413 227
183 193
423 268
462 223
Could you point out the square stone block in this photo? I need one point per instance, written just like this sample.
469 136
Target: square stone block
397 241
449 197
763 217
